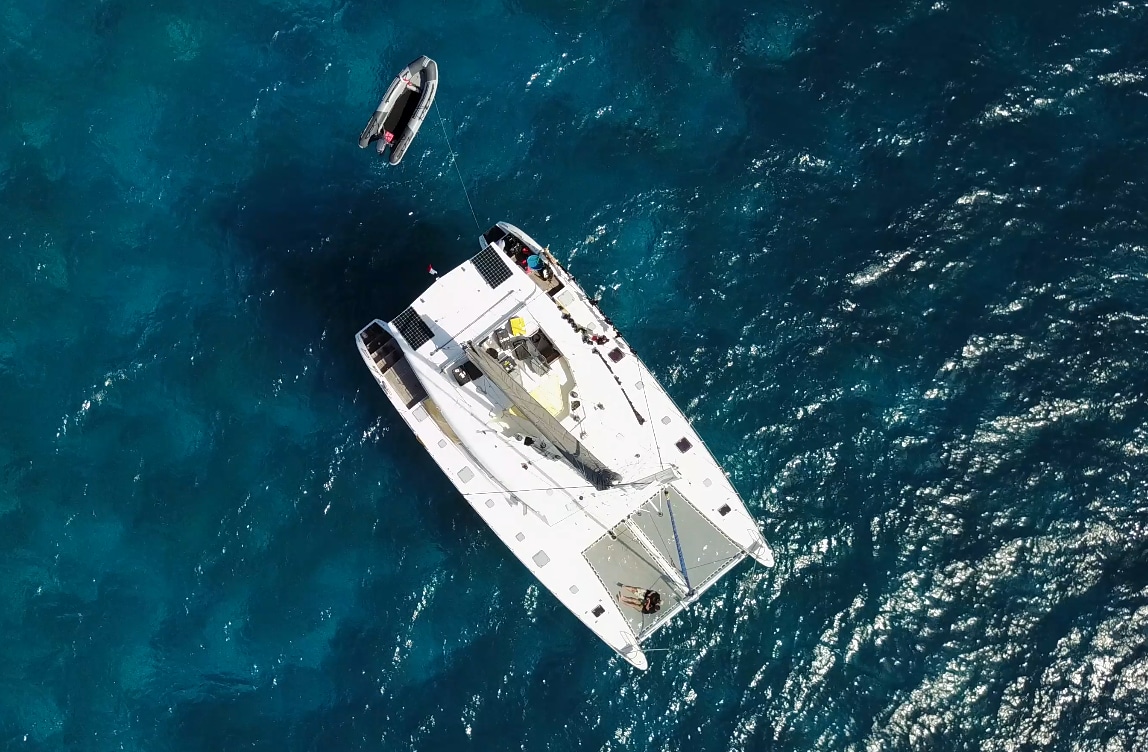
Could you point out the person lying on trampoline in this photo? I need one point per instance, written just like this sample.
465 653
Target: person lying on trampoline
646 601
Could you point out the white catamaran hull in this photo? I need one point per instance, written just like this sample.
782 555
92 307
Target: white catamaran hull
561 439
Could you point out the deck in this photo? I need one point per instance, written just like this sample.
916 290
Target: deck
639 550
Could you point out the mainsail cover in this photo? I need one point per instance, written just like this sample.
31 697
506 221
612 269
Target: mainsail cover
591 468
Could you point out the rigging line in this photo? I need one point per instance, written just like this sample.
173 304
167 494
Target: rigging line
551 488
678 543
652 549
586 510
662 464
661 537
454 161
653 428
724 560
753 523
637 415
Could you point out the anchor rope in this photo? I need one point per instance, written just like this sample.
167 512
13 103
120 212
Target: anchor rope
454 161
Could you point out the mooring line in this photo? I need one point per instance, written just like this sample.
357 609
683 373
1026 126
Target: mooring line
454 161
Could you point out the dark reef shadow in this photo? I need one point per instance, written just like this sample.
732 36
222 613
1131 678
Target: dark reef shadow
327 247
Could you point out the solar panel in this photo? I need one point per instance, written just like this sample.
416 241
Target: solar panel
413 328
492 268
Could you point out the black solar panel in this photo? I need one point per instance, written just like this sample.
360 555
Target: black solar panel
492 268
413 328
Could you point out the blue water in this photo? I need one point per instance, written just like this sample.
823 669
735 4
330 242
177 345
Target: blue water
890 257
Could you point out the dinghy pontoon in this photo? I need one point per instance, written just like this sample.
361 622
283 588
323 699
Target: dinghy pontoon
403 109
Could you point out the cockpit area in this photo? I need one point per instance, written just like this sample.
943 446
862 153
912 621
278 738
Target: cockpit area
524 352
524 257
536 402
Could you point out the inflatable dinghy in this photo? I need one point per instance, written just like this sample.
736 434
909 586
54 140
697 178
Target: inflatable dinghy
403 109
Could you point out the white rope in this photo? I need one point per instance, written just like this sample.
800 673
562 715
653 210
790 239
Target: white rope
454 161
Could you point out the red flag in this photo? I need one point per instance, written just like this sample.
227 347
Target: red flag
431 270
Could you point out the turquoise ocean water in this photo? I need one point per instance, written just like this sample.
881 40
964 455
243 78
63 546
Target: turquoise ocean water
891 258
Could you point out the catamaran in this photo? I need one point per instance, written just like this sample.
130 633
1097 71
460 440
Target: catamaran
560 438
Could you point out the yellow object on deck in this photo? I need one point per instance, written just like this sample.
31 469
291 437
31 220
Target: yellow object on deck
517 326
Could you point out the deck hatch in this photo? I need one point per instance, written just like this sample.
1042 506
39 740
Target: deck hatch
492 268
413 328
